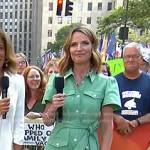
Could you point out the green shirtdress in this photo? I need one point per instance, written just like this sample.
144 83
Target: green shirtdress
81 111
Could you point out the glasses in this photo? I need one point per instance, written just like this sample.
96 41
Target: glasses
21 62
131 56
34 77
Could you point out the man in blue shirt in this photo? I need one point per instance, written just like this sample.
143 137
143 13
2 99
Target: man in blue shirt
134 91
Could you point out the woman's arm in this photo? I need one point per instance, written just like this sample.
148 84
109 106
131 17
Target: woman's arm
106 127
49 113
17 147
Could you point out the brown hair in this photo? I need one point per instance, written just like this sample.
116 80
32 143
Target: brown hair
10 58
51 63
66 62
41 89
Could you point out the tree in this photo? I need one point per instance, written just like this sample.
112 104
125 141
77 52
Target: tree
113 20
61 35
137 17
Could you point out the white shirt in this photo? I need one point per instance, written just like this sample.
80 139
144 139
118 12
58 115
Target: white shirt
12 128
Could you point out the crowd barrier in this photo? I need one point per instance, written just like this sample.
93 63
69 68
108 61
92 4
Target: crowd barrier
36 133
139 139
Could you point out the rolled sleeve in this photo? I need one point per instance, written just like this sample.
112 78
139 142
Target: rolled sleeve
50 90
112 96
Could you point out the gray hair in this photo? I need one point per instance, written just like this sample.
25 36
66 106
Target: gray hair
133 45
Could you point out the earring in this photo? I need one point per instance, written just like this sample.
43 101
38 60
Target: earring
6 63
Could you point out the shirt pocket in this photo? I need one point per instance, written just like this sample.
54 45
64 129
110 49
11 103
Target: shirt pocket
95 98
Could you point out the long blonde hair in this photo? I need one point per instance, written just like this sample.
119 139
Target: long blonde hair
66 62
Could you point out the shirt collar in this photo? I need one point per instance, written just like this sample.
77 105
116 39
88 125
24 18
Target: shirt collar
91 74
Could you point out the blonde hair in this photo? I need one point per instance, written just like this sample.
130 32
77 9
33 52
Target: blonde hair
23 56
51 63
66 62
10 59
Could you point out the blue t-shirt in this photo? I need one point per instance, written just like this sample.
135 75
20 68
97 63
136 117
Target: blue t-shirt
135 96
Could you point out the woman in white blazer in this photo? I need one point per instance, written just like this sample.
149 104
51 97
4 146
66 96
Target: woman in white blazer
11 128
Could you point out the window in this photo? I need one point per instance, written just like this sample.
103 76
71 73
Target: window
30 6
99 6
11 15
50 20
26 6
90 6
88 20
1 15
21 6
15 14
49 33
69 20
59 20
30 26
6 15
30 14
50 6
1 25
20 27
25 15
20 14
25 26
109 7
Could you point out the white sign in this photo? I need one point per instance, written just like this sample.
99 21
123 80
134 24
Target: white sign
36 133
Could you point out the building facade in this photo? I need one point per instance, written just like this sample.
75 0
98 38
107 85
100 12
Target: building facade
21 20
84 11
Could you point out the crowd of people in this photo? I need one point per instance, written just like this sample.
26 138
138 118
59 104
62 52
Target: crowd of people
92 98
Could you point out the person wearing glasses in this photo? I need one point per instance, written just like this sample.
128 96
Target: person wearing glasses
134 90
89 97
22 62
11 128
35 84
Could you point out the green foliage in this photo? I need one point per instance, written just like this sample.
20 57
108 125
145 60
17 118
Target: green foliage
109 23
138 16
61 35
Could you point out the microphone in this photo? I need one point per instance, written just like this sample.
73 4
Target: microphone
59 85
4 86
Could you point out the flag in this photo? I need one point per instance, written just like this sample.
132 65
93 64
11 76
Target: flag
104 49
48 55
101 43
111 45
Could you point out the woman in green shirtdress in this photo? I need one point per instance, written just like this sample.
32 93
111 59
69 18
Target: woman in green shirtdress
89 97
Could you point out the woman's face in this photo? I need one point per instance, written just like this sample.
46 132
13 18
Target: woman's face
33 79
21 64
80 48
2 53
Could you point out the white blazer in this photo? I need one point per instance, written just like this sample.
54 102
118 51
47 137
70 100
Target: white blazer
12 128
